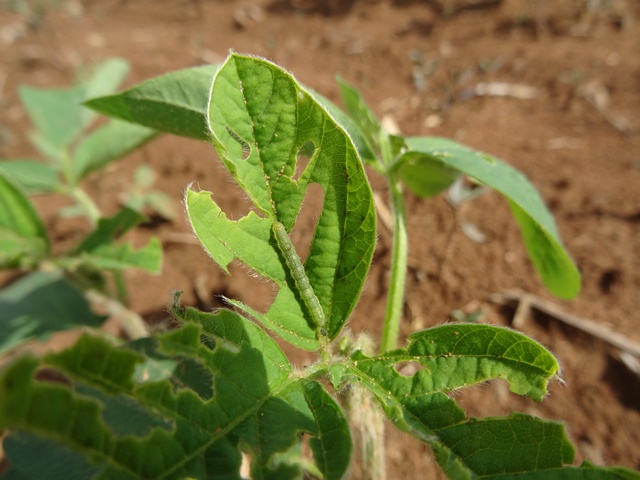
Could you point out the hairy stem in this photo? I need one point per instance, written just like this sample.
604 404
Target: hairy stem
395 299
368 428
367 422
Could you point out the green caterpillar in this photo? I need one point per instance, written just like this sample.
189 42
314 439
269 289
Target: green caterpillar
299 276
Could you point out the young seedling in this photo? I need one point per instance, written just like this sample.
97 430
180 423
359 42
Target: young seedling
190 402
50 298
63 135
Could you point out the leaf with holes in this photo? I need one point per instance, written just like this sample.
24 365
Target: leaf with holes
261 119
413 385
136 427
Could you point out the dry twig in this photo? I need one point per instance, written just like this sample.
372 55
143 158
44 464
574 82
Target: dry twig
527 301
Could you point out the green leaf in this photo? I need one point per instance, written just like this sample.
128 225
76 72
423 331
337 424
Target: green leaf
56 114
19 252
32 176
111 229
99 251
142 195
548 449
144 176
98 364
257 402
40 304
361 114
425 175
54 460
453 356
447 358
23 239
539 230
108 143
260 119
172 103
465 354
365 150
100 79
515 444
121 257
332 445
364 127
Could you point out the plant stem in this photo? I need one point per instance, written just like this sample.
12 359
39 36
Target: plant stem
132 324
395 299
73 189
67 168
367 427
90 208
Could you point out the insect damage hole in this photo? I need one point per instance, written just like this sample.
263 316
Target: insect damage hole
303 157
245 149
408 369
305 226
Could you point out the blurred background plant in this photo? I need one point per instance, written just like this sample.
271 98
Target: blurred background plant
59 289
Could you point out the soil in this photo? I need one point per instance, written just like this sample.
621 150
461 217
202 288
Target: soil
551 87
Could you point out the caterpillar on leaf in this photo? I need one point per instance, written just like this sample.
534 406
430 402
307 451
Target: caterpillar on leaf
299 276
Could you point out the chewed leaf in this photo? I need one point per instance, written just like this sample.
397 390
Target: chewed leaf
98 363
251 241
465 354
260 119
256 402
454 356
450 357
539 230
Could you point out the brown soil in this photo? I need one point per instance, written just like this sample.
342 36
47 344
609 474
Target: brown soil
420 63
